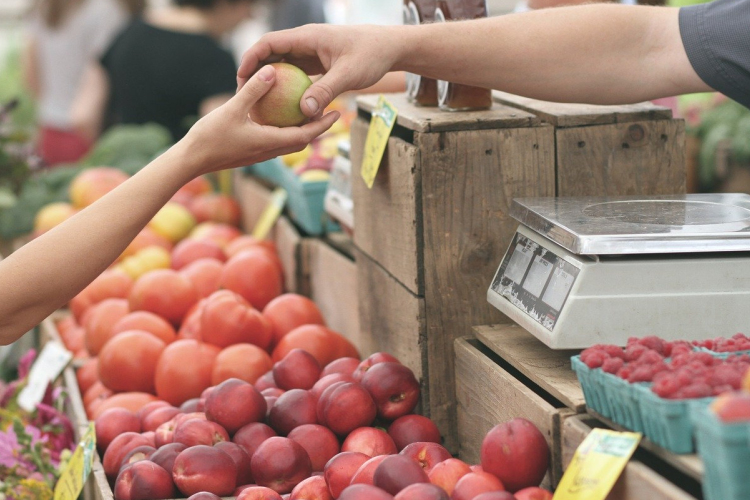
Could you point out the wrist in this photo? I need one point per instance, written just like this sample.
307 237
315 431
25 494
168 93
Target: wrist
403 40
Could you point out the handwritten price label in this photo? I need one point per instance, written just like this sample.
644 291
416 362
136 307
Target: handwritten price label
381 125
597 464
78 468
48 366
270 214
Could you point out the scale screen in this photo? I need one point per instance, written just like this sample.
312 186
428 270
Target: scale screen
535 280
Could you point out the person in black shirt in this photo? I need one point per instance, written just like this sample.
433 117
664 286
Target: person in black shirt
166 68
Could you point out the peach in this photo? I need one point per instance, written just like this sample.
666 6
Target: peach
256 275
164 292
732 407
394 389
112 423
214 207
234 403
298 370
196 432
447 473
531 493
364 492
93 183
292 409
270 403
204 495
204 274
498 495
412 429
340 470
183 417
370 441
397 472
192 405
166 455
289 311
344 407
251 436
228 319
147 322
164 434
258 493
272 392
365 474
99 324
280 107
476 468
118 448
427 455
151 437
319 442
241 460
378 357
189 251
137 454
280 464
422 491
243 361
143 480
326 381
517 453
204 468
344 366
475 483
265 381
312 488
52 215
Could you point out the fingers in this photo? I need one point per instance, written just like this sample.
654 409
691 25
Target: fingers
301 136
257 86
270 48
322 92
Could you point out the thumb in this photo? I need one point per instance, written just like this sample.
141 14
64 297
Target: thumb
321 93
255 88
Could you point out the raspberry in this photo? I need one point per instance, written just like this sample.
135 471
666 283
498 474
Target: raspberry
594 359
697 390
641 374
702 357
633 352
725 375
654 343
649 357
721 389
624 372
684 377
665 386
612 365
679 348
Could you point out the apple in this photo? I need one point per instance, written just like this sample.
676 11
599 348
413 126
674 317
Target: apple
344 407
319 442
312 488
364 492
280 106
165 456
113 422
475 483
234 403
204 468
143 480
413 429
343 366
280 464
447 473
422 491
195 432
394 389
397 472
241 460
517 453
292 409
297 370
378 357
370 441
118 448
340 470
365 474
137 454
252 436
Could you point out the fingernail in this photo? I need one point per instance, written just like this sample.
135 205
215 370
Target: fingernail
266 73
312 104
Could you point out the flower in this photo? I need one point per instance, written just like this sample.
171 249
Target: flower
9 449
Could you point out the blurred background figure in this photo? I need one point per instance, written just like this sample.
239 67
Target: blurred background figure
286 14
168 67
63 37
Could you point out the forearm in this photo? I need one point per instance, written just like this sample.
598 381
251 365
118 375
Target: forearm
47 272
597 53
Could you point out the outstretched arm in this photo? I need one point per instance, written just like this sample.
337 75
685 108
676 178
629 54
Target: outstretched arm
599 54
46 273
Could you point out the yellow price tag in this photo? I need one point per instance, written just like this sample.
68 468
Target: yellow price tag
78 468
597 464
270 214
383 120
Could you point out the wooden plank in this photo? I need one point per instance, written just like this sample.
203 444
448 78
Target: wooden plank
341 242
637 482
253 196
488 395
333 287
388 216
640 158
468 182
391 319
548 368
562 114
421 119
288 241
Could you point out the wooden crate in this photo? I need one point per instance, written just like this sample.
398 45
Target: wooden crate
490 392
640 479
635 149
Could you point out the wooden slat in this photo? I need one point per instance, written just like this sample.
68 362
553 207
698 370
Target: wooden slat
388 216
488 395
333 287
548 368
253 196
577 115
432 119
468 182
639 158
637 482
288 242
391 318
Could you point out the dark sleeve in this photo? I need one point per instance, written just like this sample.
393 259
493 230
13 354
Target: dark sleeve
716 37
217 74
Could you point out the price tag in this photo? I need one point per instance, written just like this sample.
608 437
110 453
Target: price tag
383 120
47 367
597 464
78 468
270 214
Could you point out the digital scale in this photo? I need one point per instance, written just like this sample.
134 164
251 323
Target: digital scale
584 271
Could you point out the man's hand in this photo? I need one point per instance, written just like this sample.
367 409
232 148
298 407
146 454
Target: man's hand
348 58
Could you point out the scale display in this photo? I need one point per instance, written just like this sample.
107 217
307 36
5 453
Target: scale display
535 280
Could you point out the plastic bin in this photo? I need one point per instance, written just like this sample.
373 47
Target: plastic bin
306 204
270 170
592 383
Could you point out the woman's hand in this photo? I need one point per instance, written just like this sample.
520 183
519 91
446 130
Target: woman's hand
227 137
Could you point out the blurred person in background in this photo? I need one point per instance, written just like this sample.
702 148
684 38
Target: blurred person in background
286 14
167 67
63 36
